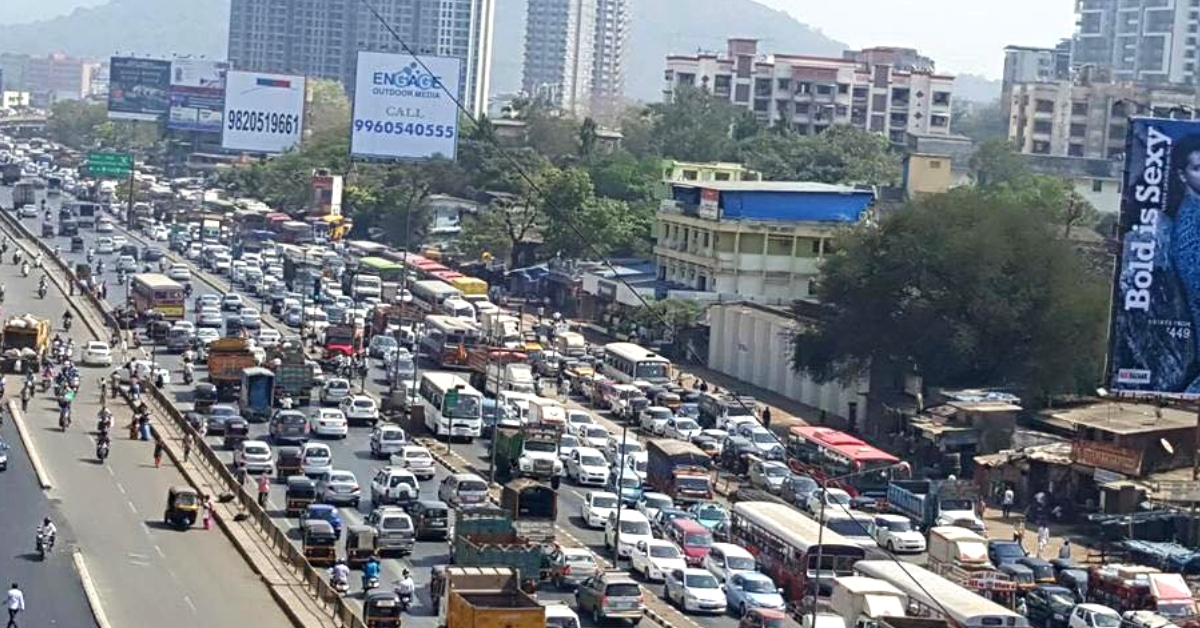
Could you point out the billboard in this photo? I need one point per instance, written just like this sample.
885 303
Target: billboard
197 95
138 88
404 109
1156 293
264 113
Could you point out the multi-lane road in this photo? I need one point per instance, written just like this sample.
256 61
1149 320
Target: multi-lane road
145 574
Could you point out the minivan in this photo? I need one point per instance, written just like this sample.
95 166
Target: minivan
431 519
634 528
289 427
694 539
726 558
463 490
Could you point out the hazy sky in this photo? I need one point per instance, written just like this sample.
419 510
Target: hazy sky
960 35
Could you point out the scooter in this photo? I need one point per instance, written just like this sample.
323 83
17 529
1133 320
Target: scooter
42 291
370 583
64 418
341 586
405 601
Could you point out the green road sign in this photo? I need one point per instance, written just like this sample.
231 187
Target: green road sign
451 400
110 164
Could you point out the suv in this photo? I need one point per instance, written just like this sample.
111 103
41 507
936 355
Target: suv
463 489
334 390
393 529
289 427
393 485
386 440
611 595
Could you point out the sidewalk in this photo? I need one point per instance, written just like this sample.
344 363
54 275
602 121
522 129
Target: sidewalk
1000 528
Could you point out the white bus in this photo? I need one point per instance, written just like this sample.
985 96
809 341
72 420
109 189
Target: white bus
359 249
464 419
627 362
940 598
430 293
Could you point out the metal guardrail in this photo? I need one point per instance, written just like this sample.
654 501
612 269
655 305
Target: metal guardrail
330 600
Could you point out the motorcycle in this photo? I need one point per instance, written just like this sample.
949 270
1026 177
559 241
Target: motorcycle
405 600
102 451
67 324
370 583
25 270
64 418
341 586
42 291
45 543
187 376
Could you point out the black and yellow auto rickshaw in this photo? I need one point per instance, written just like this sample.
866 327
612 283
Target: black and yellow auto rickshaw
237 430
319 542
76 244
288 463
183 505
204 397
381 609
360 545
301 492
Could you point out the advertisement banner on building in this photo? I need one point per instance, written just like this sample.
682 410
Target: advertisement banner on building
197 95
1107 456
138 88
263 113
709 204
404 109
1153 340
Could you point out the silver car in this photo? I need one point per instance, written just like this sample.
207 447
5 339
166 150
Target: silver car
339 488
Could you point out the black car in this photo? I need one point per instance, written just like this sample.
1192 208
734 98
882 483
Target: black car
1049 606
152 254
1001 552
796 488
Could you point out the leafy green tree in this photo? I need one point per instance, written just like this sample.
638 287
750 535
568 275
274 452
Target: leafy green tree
693 126
75 122
980 122
974 287
587 137
996 162
329 109
840 154
665 318
499 229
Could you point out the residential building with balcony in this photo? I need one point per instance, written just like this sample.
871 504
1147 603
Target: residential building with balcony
751 240
1027 64
892 91
1147 41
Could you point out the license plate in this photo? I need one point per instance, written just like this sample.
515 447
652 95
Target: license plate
622 605
437 524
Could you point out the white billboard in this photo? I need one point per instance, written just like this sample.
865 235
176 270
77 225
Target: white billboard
197 95
404 109
264 113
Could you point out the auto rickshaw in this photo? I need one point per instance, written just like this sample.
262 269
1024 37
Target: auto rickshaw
183 504
381 609
319 543
287 462
360 545
204 397
301 492
237 430
76 244
47 229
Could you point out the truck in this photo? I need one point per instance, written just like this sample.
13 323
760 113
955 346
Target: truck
489 368
678 469
533 507
295 376
501 329
528 451
86 213
227 358
543 411
936 502
24 193
469 597
343 339
486 537
957 549
861 601
25 341
570 344
11 174
514 376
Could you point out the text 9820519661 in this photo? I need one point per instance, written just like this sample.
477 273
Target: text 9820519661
263 122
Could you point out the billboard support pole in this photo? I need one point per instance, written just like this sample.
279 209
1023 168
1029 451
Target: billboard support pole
129 208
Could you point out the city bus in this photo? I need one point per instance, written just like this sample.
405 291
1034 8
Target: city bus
860 469
152 292
791 548
359 249
627 362
446 339
452 407
429 294
939 598
386 270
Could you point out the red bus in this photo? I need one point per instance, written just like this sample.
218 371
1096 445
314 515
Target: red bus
825 453
785 545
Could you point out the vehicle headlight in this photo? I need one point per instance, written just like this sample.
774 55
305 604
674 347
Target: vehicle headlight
524 463
558 465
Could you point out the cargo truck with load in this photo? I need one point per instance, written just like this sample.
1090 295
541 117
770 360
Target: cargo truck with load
936 502
679 469
227 358
501 330
24 193
861 601
528 451
26 339
954 548
486 537
533 507
294 374
343 339
483 597
12 173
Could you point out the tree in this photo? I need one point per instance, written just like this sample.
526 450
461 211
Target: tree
996 162
329 109
980 122
499 229
692 126
840 154
75 122
587 137
974 287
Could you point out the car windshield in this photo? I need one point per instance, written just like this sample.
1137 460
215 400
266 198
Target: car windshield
694 482
580 559
384 342
1062 601
568 441
628 448
591 461
622 589
658 502
578 417
762 437
697 540
710 513
664 551
364 402
640 528
899 525
472 486
758 585
255 450
604 502
740 563
661 415
699 581
396 523
468 407
686 425
541 446
846 527
773 471
597 432
1104 620
342 478
630 482
1008 550
1183 610
837 498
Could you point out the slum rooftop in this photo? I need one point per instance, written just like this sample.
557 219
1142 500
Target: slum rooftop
1121 418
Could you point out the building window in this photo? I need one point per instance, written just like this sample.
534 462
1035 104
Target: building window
762 87
803 88
690 175
802 108
843 88
741 93
1097 185
721 83
783 83
1075 150
935 164
1079 108
761 104
720 176
1043 126
941 98
1044 106
1078 130
939 121
824 90
1040 148
816 247
860 92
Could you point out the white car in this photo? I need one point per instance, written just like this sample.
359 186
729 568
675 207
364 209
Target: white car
251 318
104 225
653 420
119 241
652 502
316 459
145 370
231 302
387 439
104 246
838 501
635 527
126 263
596 507
578 420
268 337
416 459
695 590
654 559
97 353
335 390
1093 616
725 559
594 436
328 422
179 272
160 233
587 465
681 428
206 335
360 408
896 534
255 456
28 211
339 487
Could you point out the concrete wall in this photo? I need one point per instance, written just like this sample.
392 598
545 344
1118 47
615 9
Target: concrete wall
755 346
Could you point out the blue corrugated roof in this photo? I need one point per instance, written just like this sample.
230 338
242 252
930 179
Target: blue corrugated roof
802 206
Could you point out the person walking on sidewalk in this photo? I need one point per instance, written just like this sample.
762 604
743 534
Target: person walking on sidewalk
187 446
158 453
1006 501
1043 538
1019 533
264 490
15 601
208 511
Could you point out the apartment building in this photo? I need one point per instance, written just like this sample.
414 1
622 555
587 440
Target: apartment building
58 77
559 44
608 58
1028 64
1082 118
321 38
752 240
892 91
1147 41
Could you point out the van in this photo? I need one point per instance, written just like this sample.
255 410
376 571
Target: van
393 530
724 559
463 490
635 528
694 539
431 519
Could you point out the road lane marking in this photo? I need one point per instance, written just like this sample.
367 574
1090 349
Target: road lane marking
120 487
188 600
160 552
131 506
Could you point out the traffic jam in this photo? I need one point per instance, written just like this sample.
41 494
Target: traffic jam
402 429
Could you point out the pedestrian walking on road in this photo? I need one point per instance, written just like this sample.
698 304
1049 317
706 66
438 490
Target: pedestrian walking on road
187 446
766 417
1065 550
264 489
1043 538
1006 501
1019 533
24 399
158 453
208 511
241 475
15 601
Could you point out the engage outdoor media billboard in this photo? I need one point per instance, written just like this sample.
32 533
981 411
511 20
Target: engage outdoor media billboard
137 88
264 113
1156 294
197 95
404 109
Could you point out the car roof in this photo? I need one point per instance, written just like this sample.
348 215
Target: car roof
729 549
466 476
588 450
